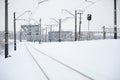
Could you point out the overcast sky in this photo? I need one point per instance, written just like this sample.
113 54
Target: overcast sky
102 12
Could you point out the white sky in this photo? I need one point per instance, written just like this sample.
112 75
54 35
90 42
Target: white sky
102 12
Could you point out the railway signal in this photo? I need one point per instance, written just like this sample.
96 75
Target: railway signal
89 17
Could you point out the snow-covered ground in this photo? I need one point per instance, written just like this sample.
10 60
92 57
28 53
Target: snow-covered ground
99 60
2 46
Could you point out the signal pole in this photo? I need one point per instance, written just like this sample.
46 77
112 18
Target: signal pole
88 30
115 19
14 32
89 17
6 28
75 25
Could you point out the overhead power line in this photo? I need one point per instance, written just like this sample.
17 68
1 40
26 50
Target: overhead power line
35 9
91 3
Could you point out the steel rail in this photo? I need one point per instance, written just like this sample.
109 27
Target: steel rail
37 64
63 64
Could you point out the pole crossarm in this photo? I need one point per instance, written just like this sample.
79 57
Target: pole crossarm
90 1
54 20
24 20
34 20
53 25
24 13
78 11
67 18
81 11
68 12
42 1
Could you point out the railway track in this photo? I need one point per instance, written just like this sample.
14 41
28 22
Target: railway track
56 60
35 60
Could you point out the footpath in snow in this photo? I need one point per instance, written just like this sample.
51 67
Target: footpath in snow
96 59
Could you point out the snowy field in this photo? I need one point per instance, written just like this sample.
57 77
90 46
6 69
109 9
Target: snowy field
100 60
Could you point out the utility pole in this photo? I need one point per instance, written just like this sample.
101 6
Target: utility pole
6 28
80 22
14 32
115 19
50 37
40 31
46 35
75 25
104 33
51 33
59 30
21 35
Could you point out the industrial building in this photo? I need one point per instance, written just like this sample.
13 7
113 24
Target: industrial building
31 32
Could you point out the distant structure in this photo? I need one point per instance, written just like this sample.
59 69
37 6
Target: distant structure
31 32
65 36
1 35
1 41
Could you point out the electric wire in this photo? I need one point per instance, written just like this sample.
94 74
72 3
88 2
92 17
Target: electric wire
34 10
92 4
38 64
63 64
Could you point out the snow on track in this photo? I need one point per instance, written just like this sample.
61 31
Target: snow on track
97 59
20 66
65 73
